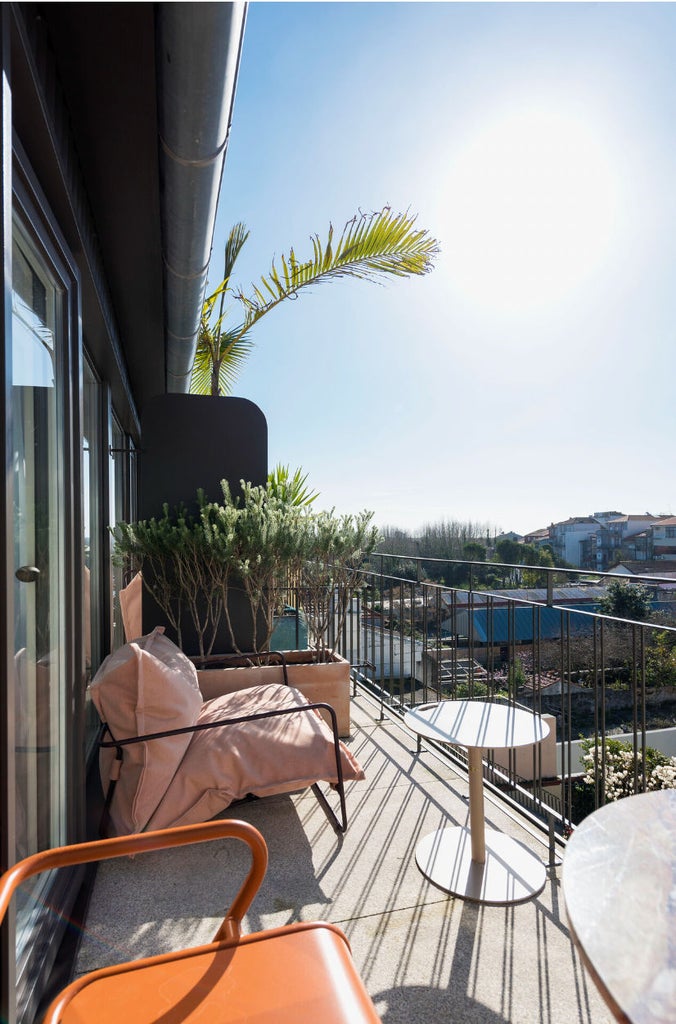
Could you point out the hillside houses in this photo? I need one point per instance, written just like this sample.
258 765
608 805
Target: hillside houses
598 542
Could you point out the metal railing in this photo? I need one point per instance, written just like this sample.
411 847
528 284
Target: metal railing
411 641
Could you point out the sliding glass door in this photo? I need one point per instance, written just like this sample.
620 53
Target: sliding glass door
38 582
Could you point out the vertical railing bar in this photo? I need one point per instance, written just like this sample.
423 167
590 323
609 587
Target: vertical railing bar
511 646
402 613
633 682
642 662
565 747
537 695
490 647
357 647
569 708
424 627
602 647
595 666
390 639
373 639
437 677
409 644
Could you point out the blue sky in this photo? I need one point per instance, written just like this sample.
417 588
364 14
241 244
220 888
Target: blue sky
530 377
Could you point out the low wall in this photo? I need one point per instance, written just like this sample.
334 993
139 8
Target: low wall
663 740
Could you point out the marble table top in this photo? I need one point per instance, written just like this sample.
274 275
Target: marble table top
619 887
471 723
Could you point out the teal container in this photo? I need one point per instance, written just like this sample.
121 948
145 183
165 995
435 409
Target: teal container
290 632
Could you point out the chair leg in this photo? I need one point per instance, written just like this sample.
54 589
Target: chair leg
339 825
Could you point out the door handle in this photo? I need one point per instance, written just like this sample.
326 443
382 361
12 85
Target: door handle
27 573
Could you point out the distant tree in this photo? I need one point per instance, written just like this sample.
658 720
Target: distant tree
509 551
399 543
625 600
661 660
439 545
447 539
396 541
533 556
512 552
473 552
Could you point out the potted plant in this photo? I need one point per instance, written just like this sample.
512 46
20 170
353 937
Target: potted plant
260 550
185 561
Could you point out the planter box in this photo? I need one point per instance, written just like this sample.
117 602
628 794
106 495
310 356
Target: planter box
318 681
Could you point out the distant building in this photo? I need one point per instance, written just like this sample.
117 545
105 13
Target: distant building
510 535
571 540
663 568
623 536
538 538
597 542
662 540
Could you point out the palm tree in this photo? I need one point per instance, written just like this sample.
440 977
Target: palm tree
371 246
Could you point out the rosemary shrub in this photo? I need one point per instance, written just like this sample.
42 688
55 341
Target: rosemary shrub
262 545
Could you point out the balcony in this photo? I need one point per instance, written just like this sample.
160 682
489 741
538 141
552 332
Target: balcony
423 955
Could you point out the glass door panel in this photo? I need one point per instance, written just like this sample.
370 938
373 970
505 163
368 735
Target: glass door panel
38 514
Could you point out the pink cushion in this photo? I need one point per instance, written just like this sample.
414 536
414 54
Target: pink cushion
131 607
146 686
271 755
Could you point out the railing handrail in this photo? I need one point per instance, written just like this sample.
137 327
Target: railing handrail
528 568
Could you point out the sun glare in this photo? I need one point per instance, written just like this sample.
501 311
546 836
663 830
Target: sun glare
531 202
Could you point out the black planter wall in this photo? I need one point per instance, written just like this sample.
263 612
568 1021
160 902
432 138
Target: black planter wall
193 441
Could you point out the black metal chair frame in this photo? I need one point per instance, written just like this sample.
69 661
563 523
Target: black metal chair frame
338 824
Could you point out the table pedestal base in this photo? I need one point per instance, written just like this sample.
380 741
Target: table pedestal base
510 874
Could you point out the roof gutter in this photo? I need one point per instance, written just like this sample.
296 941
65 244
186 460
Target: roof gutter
198 54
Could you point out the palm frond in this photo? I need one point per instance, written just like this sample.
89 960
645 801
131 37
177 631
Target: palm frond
220 354
233 246
291 488
226 359
371 247
236 239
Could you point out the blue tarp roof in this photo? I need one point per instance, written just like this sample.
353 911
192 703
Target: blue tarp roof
519 624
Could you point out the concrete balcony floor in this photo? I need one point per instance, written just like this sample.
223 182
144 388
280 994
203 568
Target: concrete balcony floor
424 956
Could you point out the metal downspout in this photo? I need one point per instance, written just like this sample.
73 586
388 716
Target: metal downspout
198 55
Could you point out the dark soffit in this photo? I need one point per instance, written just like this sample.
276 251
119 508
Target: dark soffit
104 56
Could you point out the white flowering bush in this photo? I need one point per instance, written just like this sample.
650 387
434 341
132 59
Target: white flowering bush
623 771
665 775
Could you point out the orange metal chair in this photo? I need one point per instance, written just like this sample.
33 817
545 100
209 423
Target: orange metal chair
299 972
